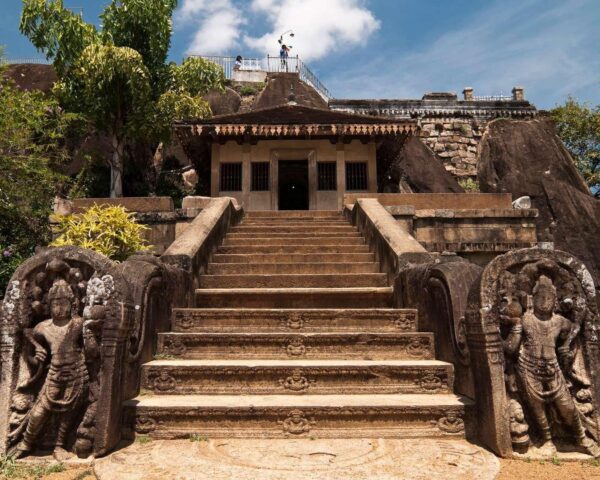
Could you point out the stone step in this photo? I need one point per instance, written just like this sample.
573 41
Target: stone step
297 416
363 345
257 258
294 223
294 297
272 377
289 248
261 229
293 235
271 240
291 268
222 320
303 214
319 280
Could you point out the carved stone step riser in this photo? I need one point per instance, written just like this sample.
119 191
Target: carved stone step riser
291 268
300 221
295 258
254 346
315 229
294 321
294 281
342 422
271 249
258 300
303 214
229 380
321 234
272 240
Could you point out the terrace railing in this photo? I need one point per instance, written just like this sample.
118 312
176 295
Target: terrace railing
493 98
272 64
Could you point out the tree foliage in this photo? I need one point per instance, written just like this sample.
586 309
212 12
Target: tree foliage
32 132
118 77
109 230
578 126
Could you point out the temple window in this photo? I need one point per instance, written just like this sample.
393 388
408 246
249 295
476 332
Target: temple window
231 177
356 176
327 176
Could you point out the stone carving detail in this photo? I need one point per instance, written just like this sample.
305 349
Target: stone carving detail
296 382
174 347
430 381
164 382
295 347
541 345
452 423
58 382
417 348
296 423
536 326
405 322
294 321
145 424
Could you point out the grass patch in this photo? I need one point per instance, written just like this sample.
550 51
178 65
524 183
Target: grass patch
556 461
469 185
163 356
143 439
84 474
10 468
246 91
196 437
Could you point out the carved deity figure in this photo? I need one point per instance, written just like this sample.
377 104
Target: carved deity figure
539 338
58 345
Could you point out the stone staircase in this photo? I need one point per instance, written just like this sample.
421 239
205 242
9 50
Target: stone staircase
294 335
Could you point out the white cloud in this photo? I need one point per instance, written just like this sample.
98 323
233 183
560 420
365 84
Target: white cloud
546 46
218 25
321 27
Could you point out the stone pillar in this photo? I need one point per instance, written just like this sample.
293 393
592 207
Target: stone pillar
215 170
372 168
518 94
340 153
468 94
246 175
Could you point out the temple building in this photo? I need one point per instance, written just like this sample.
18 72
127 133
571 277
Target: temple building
279 141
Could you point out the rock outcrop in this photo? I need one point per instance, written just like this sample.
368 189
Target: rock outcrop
223 103
32 76
528 158
413 165
281 86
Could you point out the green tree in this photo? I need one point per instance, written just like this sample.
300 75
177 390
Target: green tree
578 126
32 132
118 77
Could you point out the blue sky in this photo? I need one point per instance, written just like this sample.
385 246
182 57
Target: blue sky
394 48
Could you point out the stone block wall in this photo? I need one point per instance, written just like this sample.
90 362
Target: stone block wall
455 141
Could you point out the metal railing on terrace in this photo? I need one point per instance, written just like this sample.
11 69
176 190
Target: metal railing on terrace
271 64
493 98
11 61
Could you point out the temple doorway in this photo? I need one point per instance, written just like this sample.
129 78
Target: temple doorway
293 185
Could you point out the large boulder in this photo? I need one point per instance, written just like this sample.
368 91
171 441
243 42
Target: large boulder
223 103
413 164
281 87
526 157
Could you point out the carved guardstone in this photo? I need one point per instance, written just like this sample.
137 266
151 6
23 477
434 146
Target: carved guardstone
532 328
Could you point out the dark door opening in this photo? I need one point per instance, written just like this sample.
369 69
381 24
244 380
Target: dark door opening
293 185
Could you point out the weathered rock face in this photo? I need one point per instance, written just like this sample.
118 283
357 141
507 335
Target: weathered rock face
223 103
279 88
30 76
415 164
528 158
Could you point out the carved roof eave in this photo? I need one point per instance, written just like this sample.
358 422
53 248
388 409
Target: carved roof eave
313 130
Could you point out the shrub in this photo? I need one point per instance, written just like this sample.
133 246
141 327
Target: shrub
109 230
247 91
9 261
469 185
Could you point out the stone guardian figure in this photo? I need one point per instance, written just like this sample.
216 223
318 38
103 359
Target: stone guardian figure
538 342
58 345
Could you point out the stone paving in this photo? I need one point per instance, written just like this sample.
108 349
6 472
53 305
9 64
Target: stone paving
299 459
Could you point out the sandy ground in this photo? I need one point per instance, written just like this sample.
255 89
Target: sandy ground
534 470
